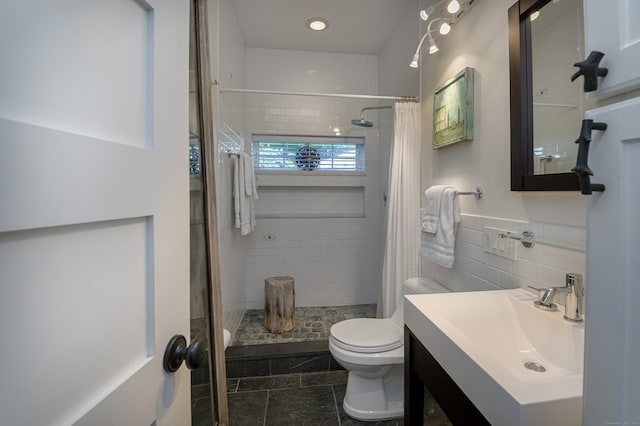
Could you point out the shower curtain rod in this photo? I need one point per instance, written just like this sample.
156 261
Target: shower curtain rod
327 95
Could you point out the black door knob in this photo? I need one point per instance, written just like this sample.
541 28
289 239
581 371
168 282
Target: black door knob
177 351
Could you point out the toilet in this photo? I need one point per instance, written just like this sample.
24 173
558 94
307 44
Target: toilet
372 350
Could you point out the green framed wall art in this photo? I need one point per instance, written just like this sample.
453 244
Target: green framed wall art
453 110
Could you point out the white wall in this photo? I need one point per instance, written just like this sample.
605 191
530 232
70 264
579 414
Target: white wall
333 260
396 78
480 40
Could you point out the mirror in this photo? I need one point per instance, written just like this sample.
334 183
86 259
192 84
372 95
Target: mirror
545 40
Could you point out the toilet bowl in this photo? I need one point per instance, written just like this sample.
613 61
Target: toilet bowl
227 338
372 350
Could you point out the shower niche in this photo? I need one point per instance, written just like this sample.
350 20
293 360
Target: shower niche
290 202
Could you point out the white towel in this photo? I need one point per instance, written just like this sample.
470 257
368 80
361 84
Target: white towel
439 247
249 176
244 193
431 209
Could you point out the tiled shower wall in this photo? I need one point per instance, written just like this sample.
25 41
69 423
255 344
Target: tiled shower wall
334 258
538 266
198 259
227 57
348 273
232 251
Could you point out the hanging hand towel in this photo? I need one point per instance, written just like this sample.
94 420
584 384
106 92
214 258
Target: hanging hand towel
439 247
431 209
236 189
244 193
249 177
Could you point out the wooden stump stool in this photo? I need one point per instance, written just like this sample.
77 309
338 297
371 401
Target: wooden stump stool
279 304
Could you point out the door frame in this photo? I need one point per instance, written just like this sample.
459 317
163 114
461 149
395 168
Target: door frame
213 290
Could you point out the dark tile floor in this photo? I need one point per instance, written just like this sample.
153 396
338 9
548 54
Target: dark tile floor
304 387
303 399
201 403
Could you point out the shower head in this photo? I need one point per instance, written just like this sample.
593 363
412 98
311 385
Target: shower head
362 123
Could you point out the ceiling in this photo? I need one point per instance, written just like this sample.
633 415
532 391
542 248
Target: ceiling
355 26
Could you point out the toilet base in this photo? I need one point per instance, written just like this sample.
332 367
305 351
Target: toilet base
373 416
380 398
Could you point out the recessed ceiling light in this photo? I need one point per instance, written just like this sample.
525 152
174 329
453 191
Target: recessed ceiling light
317 24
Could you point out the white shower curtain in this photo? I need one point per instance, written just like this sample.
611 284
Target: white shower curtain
401 258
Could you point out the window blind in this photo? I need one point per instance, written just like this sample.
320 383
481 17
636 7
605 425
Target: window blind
290 153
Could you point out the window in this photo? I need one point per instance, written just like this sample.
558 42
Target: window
440 120
308 153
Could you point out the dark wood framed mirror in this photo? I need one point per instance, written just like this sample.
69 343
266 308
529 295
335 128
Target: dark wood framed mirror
521 88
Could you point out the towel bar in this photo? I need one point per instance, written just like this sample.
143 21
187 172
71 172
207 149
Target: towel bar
477 193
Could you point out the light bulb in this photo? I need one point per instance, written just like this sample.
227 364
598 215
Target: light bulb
424 15
453 6
445 28
414 61
534 15
317 24
432 46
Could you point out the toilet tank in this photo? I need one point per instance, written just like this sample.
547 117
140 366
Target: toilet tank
416 285
422 286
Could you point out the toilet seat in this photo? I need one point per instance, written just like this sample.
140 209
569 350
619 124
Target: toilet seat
367 335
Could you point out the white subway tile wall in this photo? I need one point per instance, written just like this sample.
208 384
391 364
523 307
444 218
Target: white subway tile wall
228 69
538 266
198 258
232 250
333 259
317 201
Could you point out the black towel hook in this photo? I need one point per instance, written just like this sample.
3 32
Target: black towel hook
590 69
582 167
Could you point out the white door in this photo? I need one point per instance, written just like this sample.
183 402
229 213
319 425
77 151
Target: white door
612 374
94 253
611 27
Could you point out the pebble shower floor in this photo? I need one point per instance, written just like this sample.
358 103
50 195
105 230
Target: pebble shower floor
311 323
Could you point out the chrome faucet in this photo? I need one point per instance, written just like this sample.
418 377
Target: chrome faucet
574 302
574 290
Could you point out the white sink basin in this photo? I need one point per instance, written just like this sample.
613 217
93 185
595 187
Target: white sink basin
484 339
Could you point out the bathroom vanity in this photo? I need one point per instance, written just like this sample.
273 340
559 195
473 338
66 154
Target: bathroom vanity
421 369
491 357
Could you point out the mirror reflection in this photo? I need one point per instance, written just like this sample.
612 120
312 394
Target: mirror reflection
557 42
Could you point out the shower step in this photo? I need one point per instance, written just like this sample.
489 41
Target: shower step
279 358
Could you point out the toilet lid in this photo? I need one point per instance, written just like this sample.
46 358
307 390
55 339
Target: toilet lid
367 335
